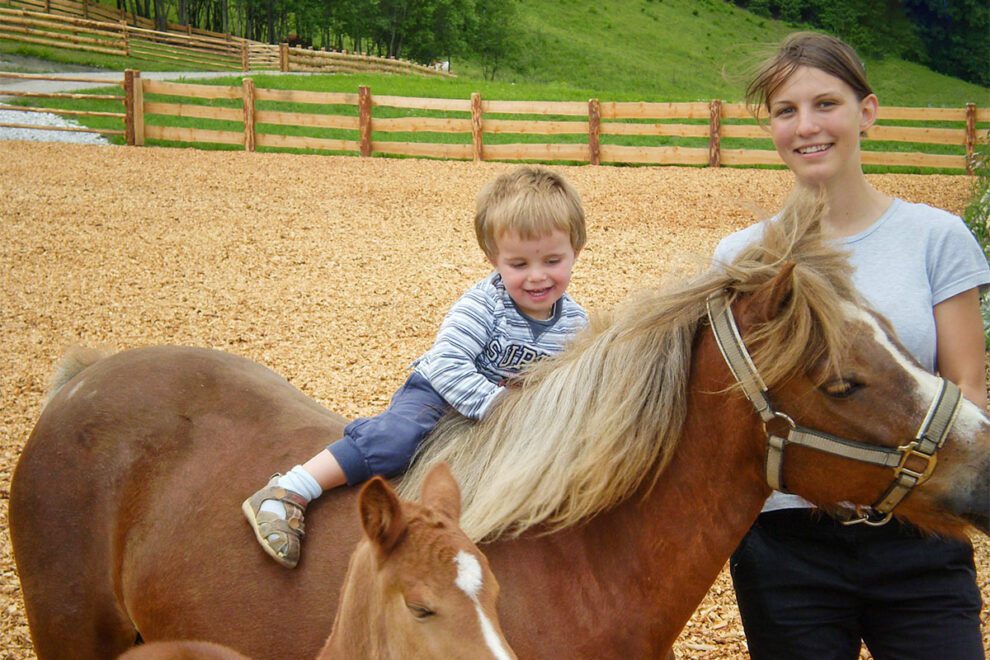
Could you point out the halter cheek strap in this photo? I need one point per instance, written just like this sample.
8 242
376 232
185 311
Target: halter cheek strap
913 463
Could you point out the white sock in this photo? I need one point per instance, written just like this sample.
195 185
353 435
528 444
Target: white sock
299 481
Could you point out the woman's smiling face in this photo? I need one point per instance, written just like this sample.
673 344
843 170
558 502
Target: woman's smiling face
815 122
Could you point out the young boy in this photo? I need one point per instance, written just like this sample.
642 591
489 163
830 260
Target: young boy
530 225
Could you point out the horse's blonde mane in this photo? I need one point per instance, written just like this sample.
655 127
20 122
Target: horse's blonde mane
586 428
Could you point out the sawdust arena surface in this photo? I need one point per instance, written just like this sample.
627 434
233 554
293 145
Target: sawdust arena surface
333 271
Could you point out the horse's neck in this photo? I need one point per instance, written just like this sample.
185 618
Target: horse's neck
708 496
648 563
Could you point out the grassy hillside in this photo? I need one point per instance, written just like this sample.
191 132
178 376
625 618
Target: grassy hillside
680 50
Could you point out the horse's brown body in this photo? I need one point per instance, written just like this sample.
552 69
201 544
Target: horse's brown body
124 513
140 531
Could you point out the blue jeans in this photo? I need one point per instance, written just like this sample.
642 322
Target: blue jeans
809 587
384 444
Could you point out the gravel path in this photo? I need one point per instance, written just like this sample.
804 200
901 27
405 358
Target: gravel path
334 271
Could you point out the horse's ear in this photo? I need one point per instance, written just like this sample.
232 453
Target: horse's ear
381 515
441 492
770 299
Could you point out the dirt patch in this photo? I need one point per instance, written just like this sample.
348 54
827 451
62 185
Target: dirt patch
335 272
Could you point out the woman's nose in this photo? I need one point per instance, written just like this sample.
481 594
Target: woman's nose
807 123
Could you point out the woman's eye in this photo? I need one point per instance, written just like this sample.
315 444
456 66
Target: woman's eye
421 612
841 388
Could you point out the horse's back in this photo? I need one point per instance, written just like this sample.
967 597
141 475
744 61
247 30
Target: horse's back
126 501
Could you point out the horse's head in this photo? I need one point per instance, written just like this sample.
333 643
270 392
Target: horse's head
874 429
416 584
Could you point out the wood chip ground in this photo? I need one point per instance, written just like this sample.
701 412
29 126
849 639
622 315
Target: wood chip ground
333 271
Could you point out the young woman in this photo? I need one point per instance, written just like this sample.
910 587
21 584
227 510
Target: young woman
807 585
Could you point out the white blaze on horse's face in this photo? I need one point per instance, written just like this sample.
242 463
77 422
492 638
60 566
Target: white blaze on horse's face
966 426
470 581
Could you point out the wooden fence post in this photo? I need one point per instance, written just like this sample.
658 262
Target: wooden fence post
129 107
247 87
283 57
594 132
133 108
364 119
245 57
715 133
477 144
970 137
138 110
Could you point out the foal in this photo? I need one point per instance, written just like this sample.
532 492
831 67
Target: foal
416 586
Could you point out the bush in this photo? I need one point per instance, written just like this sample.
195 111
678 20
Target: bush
977 217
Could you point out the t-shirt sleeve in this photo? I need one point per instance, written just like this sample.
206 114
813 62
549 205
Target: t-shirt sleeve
450 364
957 262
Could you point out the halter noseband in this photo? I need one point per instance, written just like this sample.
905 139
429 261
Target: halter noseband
920 451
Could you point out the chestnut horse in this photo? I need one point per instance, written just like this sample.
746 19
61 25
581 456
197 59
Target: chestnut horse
612 484
416 587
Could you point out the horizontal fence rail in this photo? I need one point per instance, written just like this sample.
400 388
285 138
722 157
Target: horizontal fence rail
117 120
592 132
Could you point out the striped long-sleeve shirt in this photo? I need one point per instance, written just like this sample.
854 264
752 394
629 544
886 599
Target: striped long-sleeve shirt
485 339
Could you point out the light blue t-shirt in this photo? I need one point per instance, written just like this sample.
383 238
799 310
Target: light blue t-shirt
911 259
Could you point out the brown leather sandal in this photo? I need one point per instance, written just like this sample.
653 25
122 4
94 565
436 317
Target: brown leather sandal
286 544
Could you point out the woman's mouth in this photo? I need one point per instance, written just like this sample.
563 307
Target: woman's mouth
813 149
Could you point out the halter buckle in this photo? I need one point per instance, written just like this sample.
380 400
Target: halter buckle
907 452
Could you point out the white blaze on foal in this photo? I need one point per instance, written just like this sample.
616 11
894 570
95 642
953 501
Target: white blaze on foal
469 580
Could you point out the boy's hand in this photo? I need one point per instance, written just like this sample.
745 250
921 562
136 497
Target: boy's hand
512 383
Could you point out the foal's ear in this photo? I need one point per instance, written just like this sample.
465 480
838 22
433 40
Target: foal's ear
381 515
441 492
770 299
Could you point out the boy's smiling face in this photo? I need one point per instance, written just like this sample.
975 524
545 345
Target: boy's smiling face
535 271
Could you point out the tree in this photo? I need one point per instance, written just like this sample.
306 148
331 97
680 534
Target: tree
956 35
495 39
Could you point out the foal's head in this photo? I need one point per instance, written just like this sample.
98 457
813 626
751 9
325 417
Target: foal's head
417 587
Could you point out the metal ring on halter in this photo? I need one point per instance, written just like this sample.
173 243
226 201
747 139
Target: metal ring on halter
778 415
867 516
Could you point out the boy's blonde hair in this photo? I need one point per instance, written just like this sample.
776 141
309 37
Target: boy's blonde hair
532 202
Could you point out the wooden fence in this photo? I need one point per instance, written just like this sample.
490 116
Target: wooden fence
100 12
702 133
208 51
123 118
593 132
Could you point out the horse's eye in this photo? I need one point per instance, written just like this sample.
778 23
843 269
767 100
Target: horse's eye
421 612
840 388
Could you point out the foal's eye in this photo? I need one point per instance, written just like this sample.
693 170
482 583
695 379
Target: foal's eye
421 612
840 388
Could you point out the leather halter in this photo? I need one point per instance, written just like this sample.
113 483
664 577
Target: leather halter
920 452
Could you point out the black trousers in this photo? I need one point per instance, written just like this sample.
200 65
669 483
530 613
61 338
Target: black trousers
811 588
